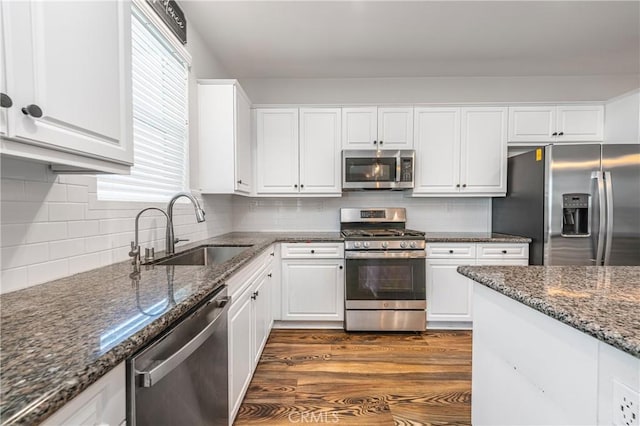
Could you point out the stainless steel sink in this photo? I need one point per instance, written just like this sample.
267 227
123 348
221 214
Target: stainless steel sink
203 255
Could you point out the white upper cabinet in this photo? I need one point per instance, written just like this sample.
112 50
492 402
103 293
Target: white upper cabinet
68 72
483 151
575 123
377 128
224 129
298 153
359 128
461 151
277 150
320 150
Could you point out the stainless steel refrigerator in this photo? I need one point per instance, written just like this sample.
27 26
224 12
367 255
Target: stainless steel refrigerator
580 204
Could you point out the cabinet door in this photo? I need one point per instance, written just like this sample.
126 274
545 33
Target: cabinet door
277 150
449 294
243 169
580 123
320 150
313 290
532 124
360 128
437 141
3 80
261 315
72 60
483 151
395 128
241 359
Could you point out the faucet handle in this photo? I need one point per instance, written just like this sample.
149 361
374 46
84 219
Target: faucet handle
177 240
135 250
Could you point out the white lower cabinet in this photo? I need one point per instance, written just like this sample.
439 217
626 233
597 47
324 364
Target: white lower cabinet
450 294
312 282
250 320
102 403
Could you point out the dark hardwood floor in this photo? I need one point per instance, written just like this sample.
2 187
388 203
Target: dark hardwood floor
326 376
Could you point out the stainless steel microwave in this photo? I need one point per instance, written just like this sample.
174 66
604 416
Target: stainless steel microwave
377 169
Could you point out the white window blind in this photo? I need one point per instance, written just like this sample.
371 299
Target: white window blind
160 127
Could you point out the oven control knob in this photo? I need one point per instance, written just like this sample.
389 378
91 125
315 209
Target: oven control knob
365 244
403 244
356 244
413 244
385 244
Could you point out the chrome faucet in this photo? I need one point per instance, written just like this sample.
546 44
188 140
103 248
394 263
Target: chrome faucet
171 239
135 246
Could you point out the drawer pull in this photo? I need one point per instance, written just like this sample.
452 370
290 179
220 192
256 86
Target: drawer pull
451 251
313 251
504 252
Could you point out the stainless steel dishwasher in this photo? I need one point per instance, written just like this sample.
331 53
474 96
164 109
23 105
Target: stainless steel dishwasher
181 378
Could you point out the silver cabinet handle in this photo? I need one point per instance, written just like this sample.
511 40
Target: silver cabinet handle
149 378
609 191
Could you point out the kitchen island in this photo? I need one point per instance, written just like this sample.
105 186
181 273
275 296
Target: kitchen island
555 345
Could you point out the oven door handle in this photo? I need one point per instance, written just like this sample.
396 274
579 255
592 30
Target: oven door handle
390 254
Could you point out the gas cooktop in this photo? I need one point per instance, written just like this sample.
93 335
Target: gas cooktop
377 233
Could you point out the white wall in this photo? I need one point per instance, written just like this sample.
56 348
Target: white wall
53 225
322 214
622 119
438 89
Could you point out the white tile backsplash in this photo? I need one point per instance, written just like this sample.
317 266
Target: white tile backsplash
54 225
323 214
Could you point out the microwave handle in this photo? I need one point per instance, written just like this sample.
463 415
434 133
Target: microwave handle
398 167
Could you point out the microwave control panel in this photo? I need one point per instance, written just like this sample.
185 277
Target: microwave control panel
406 169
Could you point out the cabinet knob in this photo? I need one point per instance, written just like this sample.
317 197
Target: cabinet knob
33 110
295 185
504 252
240 181
375 142
554 134
301 186
270 275
458 186
255 295
273 253
5 101
341 267
450 251
313 251
464 185
380 142
561 134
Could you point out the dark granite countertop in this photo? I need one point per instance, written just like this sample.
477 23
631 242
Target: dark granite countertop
62 336
602 301
473 237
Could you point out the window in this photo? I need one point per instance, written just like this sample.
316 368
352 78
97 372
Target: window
160 126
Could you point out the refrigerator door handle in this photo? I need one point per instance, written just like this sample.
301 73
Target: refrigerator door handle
609 200
597 175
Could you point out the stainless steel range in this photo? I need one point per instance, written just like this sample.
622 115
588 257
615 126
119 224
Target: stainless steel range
385 271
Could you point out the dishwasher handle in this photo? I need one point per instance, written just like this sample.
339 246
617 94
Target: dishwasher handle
149 378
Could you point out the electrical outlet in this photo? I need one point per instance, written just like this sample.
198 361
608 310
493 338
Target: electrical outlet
626 406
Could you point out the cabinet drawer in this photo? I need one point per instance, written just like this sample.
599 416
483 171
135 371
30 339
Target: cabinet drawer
313 250
451 251
503 251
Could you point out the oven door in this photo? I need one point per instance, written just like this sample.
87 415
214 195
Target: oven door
385 280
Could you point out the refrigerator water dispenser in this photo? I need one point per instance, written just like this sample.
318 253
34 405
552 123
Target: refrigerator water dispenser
575 215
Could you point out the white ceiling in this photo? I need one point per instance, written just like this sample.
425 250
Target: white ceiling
334 39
